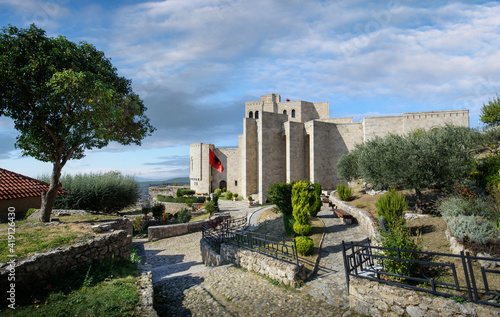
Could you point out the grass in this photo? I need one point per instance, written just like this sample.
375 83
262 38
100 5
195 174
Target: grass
32 236
102 289
200 217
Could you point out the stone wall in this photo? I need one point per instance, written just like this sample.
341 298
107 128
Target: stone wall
284 272
40 267
208 255
377 299
364 219
164 190
167 231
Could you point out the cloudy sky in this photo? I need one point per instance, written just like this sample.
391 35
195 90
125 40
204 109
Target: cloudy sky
196 62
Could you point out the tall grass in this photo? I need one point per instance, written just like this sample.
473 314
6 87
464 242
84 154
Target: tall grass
109 192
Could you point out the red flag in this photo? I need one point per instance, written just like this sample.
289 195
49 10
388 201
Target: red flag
215 162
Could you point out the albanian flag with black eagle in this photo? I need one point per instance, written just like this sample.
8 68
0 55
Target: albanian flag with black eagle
215 162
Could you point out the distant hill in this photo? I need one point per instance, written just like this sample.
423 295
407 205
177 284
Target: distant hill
145 184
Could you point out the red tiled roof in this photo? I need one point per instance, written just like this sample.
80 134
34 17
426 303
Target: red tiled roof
14 185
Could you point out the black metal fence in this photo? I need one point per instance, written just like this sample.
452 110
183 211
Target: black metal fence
448 275
229 231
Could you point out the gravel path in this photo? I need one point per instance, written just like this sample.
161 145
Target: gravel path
188 288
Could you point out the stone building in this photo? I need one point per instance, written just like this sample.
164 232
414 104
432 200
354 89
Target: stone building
296 140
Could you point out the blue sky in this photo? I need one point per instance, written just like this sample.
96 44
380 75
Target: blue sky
195 63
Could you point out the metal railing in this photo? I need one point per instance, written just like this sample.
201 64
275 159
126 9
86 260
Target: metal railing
363 260
229 231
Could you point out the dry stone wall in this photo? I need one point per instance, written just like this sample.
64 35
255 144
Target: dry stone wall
38 269
377 299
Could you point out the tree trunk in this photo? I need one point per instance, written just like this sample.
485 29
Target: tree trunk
418 206
49 197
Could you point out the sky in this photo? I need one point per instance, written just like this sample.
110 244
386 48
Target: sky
195 63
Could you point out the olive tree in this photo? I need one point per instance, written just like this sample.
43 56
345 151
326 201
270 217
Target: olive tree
64 98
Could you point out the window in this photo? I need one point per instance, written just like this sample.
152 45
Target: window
293 113
250 115
235 183
284 111
256 115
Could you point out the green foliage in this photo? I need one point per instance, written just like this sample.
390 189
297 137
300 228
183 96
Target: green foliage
185 192
64 98
316 201
229 195
301 229
391 206
300 202
224 190
398 236
347 166
218 192
183 215
236 196
280 194
305 245
215 200
157 210
490 113
473 229
288 222
210 207
344 192
28 213
189 202
179 193
488 168
250 198
478 207
139 224
181 200
110 192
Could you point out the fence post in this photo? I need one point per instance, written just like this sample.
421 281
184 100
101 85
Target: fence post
464 265
472 279
346 266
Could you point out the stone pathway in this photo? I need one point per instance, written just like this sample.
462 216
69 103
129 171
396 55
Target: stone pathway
188 288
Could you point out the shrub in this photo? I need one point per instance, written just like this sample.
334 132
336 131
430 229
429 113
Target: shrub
280 194
316 202
158 210
215 200
145 210
185 192
473 229
183 215
189 202
300 203
210 207
398 236
391 206
288 222
344 192
201 199
224 190
236 196
110 192
301 229
218 192
305 245
179 193
250 198
28 213
479 207
229 195
139 224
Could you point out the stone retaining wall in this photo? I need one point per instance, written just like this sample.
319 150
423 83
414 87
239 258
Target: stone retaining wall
284 272
364 219
39 268
378 299
208 256
168 231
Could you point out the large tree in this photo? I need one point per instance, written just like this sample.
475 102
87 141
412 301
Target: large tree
490 113
419 160
64 98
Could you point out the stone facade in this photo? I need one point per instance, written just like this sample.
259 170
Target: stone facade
297 140
377 299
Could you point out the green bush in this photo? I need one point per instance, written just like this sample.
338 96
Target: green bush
139 224
28 213
473 229
300 202
110 192
391 206
301 229
215 200
179 193
305 245
316 201
398 236
189 202
229 195
250 198
488 170
183 215
480 207
344 192
210 207
181 200
236 196
157 210
280 194
288 222
185 192
218 192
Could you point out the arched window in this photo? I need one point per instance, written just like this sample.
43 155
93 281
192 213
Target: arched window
256 115
293 113
284 111
250 115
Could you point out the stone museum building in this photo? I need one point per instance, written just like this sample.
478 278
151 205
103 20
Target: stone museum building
296 140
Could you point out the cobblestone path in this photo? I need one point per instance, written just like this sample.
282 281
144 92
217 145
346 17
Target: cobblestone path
188 288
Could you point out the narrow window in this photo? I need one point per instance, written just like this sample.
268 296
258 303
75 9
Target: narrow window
256 115
293 113
250 115
284 111
235 183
